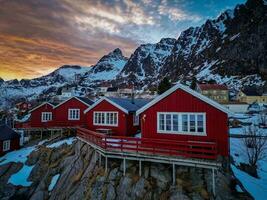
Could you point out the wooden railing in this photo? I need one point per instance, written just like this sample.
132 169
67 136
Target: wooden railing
187 149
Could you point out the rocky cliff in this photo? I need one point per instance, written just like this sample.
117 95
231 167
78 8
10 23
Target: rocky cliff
81 177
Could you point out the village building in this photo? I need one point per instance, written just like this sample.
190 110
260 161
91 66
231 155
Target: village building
9 139
252 95
115 116
23 106
216 92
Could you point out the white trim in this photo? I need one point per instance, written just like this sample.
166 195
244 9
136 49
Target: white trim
44 116
6 145
188 90
105 118
71 117
70 99
180 130
109 101
42 104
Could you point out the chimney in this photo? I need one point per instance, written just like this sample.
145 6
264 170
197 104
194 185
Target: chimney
132 95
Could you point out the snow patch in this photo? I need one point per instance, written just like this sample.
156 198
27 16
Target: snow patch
53 182
67 141
21 177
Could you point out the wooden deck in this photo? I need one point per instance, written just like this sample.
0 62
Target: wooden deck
187 153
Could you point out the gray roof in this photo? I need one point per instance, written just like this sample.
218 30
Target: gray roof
6 133
86 100
129 104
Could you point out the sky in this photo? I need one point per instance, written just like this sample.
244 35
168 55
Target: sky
38 36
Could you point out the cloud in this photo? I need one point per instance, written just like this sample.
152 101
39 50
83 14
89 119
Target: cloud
176 14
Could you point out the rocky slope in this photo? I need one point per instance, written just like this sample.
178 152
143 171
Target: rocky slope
81 177
231 49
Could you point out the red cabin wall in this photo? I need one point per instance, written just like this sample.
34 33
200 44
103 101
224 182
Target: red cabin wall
125 121
61 113
14 145
181 101
36 116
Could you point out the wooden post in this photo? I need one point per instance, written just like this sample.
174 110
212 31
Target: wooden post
140 168
61 132
213 182
95 155
99 159
41 134
124 166
173 174
106 164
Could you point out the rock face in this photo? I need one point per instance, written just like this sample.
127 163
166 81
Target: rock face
81 177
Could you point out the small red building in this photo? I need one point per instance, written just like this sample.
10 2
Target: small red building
70 113
115 115
9 139
41 116
181 114
23 106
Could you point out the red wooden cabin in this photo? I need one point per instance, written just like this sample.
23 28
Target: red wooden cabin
9 139
181 114
41 116
115 115
70 113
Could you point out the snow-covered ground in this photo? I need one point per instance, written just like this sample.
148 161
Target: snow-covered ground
21 156
53 182
257 187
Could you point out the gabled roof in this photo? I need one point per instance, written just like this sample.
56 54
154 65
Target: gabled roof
112 89
42 104
252 91
124 104
212 87
188 90
6 133
84 100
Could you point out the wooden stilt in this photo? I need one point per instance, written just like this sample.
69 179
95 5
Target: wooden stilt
41 134
106 164
140 168
99 160
213 183
173 174
124 167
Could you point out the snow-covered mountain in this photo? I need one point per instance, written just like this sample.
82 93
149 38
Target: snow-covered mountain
231 49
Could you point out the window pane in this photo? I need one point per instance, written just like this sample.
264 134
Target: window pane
115 118
200 123
161 122
192 123
184 123
168 122
108 118
175 122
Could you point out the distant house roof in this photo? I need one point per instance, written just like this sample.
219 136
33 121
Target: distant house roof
6 133
212 87
112 89
125 104
251 91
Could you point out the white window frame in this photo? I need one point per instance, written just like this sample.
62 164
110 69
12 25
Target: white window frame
135 120
180 131
105 118
72 116
6 145
46 116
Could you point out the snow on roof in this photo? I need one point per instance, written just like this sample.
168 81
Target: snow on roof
6 133
125 104
212 87
128 104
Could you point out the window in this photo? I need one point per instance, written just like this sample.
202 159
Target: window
74 114
181 123
6 145
135 120
46 116
106 118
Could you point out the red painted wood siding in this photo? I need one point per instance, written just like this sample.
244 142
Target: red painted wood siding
14 145
181 101
61 113
125 121
36 116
